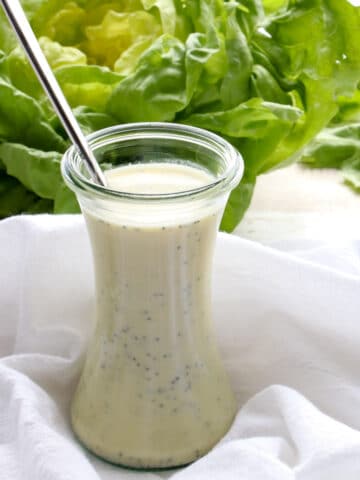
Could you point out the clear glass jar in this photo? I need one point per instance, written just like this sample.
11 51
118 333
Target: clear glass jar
153 392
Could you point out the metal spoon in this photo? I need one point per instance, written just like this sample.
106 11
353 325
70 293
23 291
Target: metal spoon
21 26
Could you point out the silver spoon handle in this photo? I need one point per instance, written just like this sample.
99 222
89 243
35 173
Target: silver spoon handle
18 20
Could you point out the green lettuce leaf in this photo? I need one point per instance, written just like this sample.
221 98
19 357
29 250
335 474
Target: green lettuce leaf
89 86
65 201
37 170
21 73
239 202
316 61
23 120
16 199
334 146
166 11
88 119
106 42
60 56
251 119
337 147
58 20
351 171
157 87
235 83
349 109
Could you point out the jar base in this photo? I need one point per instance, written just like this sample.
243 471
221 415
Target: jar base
131 462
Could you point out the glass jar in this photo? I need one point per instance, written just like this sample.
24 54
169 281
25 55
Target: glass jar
153 392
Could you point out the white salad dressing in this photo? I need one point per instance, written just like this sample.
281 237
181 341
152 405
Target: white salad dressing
153 392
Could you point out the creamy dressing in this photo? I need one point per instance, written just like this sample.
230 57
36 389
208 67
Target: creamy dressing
153 392
156 178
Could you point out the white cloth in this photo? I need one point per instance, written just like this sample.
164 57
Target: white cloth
287 319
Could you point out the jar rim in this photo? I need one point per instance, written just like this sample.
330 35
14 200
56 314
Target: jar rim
71 162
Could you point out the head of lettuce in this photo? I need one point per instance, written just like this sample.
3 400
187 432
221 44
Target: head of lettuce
266 75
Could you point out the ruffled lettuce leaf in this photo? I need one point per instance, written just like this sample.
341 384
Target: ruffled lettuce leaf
337 147
23 120
157 87
89 85
15 198
37 170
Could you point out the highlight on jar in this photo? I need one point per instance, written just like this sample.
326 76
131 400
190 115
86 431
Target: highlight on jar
153 391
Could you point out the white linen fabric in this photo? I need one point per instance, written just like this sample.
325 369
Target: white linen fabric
287 320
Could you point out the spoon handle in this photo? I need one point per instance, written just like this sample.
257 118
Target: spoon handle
21 26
